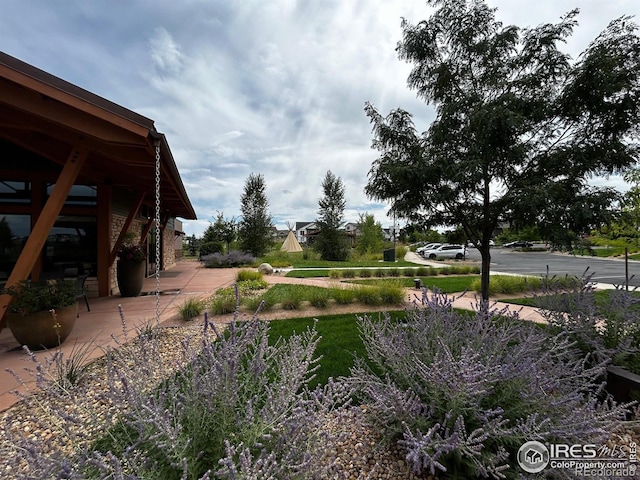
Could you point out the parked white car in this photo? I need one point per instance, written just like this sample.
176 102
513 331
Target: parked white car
446 251
428 246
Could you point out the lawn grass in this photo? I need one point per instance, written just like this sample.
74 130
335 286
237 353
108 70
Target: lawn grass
448 284
339 343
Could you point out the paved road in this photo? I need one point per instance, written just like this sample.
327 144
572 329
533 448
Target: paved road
603 270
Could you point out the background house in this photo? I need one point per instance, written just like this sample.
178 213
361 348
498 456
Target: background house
305 231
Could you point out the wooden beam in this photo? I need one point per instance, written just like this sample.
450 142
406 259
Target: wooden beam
147 229
62 98
47 218
105 197
135 208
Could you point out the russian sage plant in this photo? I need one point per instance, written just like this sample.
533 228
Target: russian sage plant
606 323
232 259
461 392
240 409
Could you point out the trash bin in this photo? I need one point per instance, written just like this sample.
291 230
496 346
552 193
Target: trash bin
418 283
389 255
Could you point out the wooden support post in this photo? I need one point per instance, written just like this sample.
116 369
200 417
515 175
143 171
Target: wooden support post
103 267
147 229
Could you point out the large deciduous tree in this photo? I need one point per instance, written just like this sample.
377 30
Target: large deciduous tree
515 118
331 241
255 228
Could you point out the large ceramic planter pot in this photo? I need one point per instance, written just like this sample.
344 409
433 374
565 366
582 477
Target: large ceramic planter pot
41 329
130 277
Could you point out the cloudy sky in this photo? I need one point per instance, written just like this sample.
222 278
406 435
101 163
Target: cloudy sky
275 87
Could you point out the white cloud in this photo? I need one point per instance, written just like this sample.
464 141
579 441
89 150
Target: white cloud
164 52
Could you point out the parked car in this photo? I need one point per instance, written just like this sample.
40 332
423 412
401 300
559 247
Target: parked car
428 246
518 244
471 244
446 251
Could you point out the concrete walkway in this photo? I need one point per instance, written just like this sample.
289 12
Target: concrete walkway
103 322
187 279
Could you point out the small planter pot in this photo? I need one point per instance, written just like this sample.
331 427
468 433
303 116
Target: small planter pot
130 277
42 330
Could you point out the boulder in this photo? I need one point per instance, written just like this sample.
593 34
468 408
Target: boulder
265 268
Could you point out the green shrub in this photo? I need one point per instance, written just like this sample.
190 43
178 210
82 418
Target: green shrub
191 308
292 303
222 304
460 269
208 248
342 296
319 298
391 294
508 284
248 286
264 303
424 271
380 272
393 272
293 299
410 272
368 295
348 273
365 273
245 275
335 273
401 251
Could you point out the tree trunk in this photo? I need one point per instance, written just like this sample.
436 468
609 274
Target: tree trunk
485 252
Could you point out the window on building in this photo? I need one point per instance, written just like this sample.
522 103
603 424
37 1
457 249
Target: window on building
15 192
14 231
71 244
84 195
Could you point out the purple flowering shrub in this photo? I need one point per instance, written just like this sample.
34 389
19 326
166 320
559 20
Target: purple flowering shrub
605 323
234 258
240 409
461 392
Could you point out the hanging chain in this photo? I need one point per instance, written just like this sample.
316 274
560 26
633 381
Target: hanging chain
157 230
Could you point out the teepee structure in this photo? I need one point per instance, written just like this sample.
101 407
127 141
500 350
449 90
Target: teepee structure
291 242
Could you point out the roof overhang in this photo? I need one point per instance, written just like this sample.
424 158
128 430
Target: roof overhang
49 116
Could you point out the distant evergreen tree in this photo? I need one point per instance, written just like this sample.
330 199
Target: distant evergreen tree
254 230
331 241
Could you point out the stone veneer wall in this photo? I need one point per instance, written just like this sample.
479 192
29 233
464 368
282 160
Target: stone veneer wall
168 248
